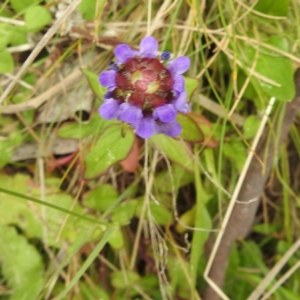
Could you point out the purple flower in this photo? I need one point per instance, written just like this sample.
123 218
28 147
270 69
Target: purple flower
145 90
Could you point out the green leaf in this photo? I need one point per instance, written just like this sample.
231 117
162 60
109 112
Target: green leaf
160 214
6 62
186 219
249 92
236 151
93 81
12 35
101 198
7 143
191 132
22 265
176 151
116 240
235 285
88 8
179 281
5 151
251 126
90 292
180 176
16 211
206 128
110 148
275 67
150 283
21 5
4 38
123 213
17 36
36 18
191 84
82 130
274 8
252 257
121 280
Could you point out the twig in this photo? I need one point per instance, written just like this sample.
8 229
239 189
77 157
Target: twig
39 100
12 21
20 48
218 110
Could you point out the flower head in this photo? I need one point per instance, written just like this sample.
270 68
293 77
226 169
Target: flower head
144 91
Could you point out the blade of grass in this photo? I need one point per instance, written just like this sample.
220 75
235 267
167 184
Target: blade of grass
170 26
110 231
286 202
201 221
38 201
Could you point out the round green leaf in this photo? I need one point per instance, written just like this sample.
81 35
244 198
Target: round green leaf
251 126
36 18
21 5
123 213
116 239
118 279
276 68
88 8
101 198
110 148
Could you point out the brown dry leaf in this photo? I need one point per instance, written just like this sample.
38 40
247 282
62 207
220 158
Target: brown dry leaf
131 162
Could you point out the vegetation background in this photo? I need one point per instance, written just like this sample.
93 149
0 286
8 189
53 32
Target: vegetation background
88 214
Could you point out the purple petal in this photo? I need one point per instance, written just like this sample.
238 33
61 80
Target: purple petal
148 47
180 100
178 85
179 65
165 113
111 88
130 113
171 129
108 95
123 52
108 78
181 104
186 108
109 109
145 128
